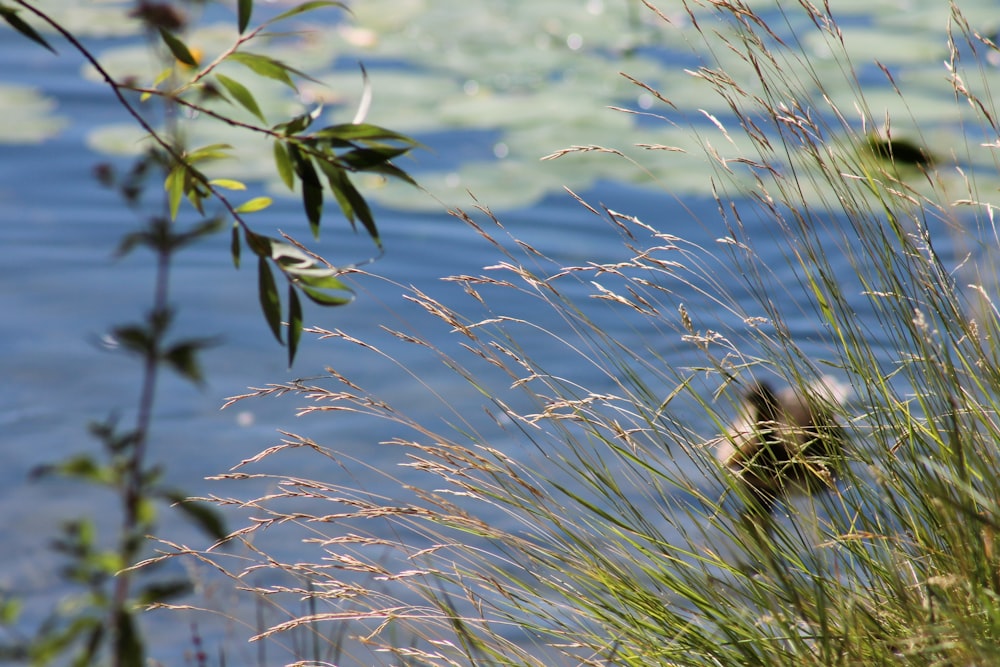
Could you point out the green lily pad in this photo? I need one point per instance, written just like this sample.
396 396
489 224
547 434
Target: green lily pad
27 114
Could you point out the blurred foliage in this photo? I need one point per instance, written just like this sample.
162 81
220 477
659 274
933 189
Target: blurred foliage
100 624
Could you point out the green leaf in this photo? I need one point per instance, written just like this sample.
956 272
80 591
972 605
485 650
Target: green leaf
235 246
10 610
391 171
312 189
284 165
182 357
80 467
363 132
320 278
128 644
254 205
351 202
366 159
163 591
201 514
174 185
9 14
306 7
260 245
297 124
324 298
245 10
270 305
242 95
203 228
209 152
134 337
265 66
228 184
178 48
294 323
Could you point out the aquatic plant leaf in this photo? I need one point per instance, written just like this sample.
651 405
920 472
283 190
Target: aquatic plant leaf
294 324
270 304
27 114
178 48
242 95
243 15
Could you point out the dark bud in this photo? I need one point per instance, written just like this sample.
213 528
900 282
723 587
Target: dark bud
159 15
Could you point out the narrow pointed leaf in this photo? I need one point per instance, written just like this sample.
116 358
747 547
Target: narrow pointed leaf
178 48
294 323
201 514
265 66
363 159
228 184
259 244
312 189
209 152
270 304
254 205
351 202
10 16
392 171
307 7
296 125
283 163
242 95
183 358
365 105
243 17
363 132
163 591
174 185
326 298
320 279
235 246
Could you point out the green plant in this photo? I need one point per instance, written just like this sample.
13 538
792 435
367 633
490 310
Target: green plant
586 519
101 623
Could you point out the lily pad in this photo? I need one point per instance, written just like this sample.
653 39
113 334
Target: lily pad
27 114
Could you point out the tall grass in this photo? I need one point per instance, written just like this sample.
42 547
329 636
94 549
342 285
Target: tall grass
579 515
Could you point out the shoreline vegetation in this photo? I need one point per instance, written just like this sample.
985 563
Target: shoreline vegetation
895 562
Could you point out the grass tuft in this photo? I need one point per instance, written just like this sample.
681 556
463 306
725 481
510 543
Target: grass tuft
578 515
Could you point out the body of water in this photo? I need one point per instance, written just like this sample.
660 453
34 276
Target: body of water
61 290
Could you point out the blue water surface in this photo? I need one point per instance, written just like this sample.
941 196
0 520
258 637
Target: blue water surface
61 290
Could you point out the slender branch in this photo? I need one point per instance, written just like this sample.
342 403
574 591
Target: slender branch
117 88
